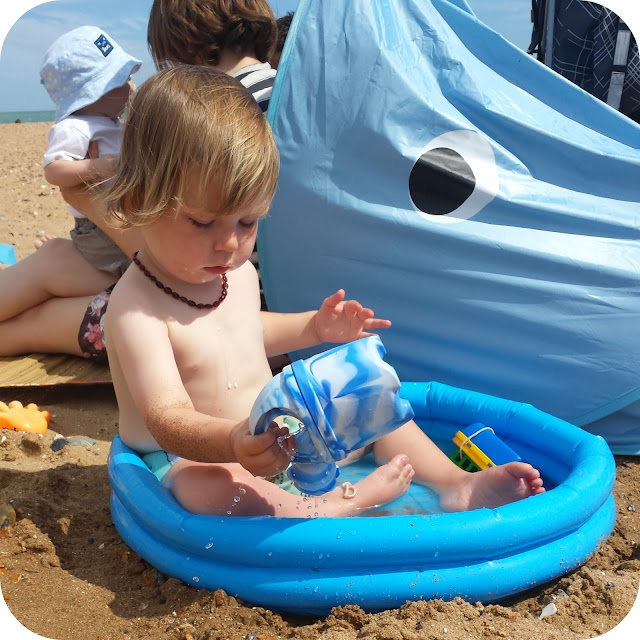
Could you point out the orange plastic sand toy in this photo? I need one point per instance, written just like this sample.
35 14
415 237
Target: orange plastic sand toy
19 418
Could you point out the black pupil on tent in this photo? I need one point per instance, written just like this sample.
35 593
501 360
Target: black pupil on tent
440 181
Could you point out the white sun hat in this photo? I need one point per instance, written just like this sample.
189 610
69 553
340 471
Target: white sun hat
81 66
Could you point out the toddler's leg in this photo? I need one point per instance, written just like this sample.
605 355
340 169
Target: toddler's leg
56 270
494 487
50 327
458 489
218 489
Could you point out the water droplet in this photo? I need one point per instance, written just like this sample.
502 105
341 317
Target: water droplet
236 499
279 506
196 579
242 491
270 553
235 384
208 545
229 512
228 385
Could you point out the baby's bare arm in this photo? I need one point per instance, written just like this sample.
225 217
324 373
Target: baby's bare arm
71 173
190 434
284 332
338 320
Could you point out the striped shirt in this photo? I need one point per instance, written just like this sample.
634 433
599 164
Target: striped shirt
258 79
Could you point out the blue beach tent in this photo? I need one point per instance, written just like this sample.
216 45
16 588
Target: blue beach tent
487 206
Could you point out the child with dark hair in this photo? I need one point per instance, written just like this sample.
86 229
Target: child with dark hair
235 36
283 23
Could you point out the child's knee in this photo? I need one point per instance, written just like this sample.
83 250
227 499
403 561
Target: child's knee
200 488
56 247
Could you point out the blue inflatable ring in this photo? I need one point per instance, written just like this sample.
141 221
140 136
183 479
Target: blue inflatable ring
311 565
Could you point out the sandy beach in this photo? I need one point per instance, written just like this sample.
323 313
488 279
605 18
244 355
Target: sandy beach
66 574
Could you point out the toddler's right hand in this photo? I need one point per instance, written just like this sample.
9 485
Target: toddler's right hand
261 454
104 167
101 166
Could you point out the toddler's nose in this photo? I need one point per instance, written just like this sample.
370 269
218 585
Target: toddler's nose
227 241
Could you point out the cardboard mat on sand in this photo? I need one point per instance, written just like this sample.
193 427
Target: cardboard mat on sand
37 369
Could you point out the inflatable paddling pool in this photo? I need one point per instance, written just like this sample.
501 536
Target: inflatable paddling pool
310 565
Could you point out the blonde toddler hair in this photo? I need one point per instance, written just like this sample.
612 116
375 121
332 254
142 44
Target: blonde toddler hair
188 119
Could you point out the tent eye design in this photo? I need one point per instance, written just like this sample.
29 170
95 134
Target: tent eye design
454 178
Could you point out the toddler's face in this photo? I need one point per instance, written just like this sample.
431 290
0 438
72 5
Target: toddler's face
195 244
113 103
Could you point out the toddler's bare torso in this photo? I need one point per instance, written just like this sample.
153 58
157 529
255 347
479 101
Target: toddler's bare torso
220 355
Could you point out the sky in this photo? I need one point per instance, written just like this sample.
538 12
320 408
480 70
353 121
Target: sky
126 21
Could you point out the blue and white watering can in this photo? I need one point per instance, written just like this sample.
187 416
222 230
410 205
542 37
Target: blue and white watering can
345 398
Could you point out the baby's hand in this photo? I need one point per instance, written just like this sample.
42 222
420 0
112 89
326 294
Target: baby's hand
340 320
101 166
261 454
104 167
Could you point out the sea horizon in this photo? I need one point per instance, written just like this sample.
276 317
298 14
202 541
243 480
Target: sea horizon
27 116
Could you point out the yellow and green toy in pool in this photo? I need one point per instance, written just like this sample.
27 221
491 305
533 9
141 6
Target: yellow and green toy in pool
480 448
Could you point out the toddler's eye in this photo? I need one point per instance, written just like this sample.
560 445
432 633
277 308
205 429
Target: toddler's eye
248 224
199 225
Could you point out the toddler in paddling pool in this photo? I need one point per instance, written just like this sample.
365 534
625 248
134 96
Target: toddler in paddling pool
187 341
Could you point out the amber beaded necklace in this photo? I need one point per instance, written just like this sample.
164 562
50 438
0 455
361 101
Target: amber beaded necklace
174 294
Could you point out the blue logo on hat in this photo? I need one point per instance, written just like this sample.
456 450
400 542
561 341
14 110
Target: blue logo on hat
104 45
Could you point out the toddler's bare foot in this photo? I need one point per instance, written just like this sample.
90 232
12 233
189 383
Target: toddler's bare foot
40 241
3 266
382 485
493 487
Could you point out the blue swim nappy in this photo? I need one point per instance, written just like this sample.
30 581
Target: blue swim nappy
159 462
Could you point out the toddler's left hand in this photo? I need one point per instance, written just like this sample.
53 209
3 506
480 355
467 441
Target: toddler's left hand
340 320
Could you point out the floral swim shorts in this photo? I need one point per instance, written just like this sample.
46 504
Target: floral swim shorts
91 333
